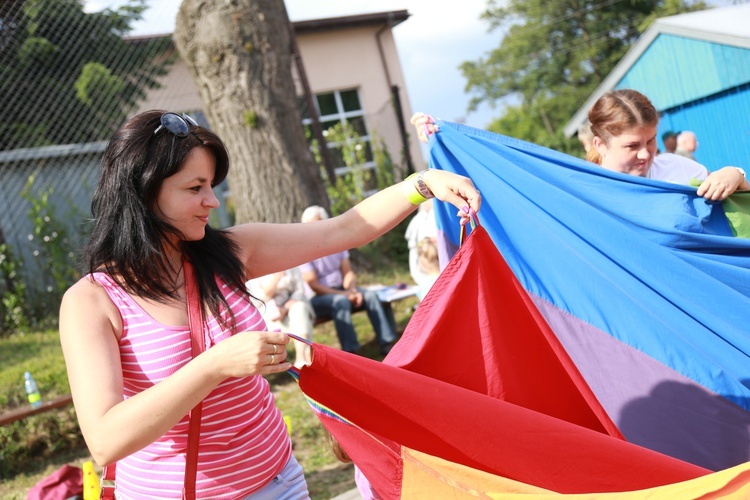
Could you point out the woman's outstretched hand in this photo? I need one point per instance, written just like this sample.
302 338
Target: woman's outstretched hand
455 189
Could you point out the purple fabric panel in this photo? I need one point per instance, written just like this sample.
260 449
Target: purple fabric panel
653 405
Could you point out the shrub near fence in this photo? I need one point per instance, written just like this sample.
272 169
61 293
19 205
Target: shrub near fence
43 196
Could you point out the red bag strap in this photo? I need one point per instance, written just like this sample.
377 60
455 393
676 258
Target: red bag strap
195 316
107 482
198 345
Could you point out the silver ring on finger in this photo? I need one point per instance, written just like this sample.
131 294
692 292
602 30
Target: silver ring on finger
273 358
274 348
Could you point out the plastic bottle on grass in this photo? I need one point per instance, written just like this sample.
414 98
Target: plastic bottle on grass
32 391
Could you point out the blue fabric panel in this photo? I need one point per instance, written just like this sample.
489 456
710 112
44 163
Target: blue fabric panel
647 262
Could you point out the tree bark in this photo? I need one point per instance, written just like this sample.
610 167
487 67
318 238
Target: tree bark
238 52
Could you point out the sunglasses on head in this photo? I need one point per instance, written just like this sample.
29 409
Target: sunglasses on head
179 125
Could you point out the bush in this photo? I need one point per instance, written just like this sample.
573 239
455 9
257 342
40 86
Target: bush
33 303
356 184
15 311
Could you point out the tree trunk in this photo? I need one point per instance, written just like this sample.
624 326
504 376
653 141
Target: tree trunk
238 52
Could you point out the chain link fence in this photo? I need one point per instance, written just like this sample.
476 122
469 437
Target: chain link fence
68 79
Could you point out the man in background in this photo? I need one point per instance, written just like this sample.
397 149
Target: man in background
669 138
333 281
686 145
585 135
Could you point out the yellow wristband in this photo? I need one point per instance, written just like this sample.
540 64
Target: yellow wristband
411 192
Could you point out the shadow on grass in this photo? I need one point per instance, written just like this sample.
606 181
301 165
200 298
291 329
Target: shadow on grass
282 379
330 482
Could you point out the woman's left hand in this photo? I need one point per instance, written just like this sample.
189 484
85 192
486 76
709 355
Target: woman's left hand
722 183
455 189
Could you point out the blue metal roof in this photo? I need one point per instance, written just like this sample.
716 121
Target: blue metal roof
676 70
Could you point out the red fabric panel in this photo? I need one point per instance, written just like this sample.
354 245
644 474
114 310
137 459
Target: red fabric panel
472 429
541 425
477 328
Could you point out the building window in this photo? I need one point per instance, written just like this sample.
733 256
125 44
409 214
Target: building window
340 106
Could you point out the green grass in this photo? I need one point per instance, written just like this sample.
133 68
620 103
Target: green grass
38 445
38 353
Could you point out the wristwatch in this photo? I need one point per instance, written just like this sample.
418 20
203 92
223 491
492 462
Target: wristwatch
422 187
742 171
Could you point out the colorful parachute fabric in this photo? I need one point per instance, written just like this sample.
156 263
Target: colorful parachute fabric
643 282
617 308
476 401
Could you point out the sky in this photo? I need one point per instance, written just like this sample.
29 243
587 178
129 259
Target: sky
432 43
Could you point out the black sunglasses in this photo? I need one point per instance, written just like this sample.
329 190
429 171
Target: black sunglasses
179 125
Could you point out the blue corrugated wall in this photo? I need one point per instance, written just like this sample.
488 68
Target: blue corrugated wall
675 70
722 125
699 86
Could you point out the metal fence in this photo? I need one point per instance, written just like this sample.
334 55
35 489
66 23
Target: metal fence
67 80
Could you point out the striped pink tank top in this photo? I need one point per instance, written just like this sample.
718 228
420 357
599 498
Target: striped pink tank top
243 440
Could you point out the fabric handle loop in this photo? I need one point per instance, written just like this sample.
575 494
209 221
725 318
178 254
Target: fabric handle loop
473 221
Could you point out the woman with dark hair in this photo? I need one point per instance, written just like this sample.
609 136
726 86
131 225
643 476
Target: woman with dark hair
123 326
623 124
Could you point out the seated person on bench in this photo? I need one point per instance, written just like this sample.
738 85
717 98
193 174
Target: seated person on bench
333 281
286 308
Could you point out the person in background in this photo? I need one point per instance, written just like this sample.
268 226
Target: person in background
334 283
429 265
421 226
124 326
364 487
669 139
624 126
585 136
687 143
287 308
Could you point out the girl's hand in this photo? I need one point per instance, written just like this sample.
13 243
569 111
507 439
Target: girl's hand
424 124
722 183
251 353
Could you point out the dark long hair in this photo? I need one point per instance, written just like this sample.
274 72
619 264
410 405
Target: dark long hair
128 241
617 111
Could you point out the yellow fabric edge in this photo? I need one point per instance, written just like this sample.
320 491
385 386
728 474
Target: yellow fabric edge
427 476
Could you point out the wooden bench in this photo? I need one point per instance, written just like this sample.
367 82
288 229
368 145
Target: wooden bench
26 411
390 294
319 320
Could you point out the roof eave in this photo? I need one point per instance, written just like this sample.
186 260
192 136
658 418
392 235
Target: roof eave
391 18
657 28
